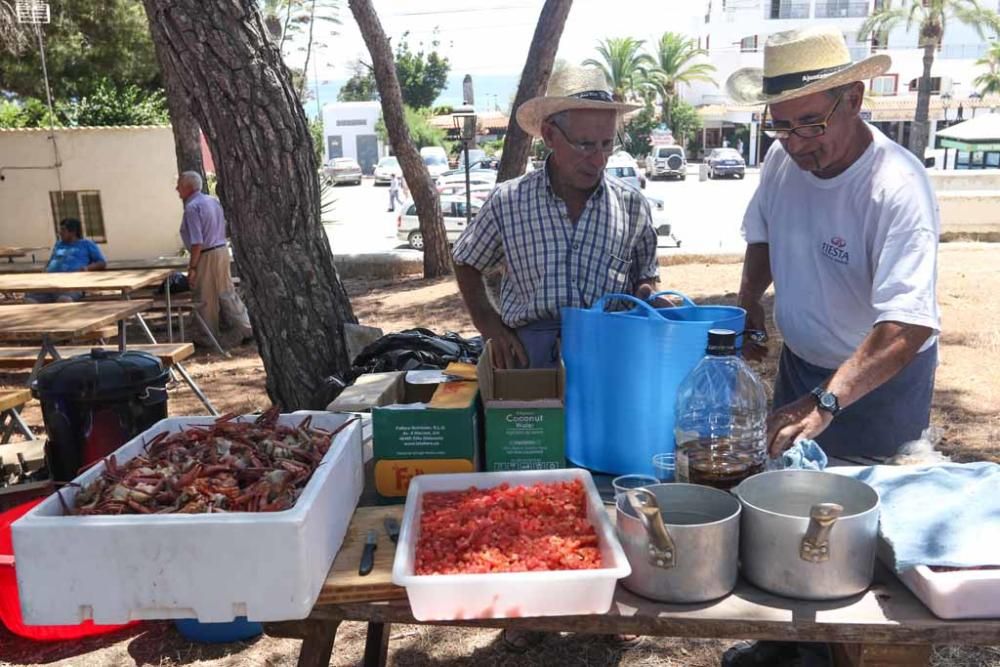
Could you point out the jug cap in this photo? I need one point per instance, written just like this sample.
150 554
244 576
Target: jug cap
721 342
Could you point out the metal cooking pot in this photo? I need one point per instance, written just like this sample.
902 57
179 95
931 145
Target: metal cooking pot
682 541
808 534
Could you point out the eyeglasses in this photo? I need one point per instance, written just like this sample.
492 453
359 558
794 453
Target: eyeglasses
806 131
589 148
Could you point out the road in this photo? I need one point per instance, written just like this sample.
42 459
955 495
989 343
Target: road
705 215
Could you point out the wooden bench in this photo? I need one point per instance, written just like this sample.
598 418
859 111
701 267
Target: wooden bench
170 355
11 402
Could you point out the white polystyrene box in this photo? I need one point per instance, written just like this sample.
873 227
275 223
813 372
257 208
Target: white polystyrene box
212 567
442 597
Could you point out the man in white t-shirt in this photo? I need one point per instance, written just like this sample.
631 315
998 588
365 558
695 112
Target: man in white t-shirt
845 224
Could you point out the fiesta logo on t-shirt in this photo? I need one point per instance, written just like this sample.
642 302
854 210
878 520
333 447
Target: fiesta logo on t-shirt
836 249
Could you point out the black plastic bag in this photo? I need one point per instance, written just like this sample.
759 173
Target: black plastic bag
416 349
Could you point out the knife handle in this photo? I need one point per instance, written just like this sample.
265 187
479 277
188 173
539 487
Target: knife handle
367 560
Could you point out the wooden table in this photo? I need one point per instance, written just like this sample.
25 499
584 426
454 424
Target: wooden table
886 625
10 252
125 282
54 322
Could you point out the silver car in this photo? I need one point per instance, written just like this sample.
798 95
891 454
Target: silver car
342 170
386 168
453 210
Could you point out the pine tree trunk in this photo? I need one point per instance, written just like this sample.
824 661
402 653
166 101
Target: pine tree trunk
534 80
187 134
242 96
920 131
437 255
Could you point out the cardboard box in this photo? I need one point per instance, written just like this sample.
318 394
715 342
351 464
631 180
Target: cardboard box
369 391
439 434
524 416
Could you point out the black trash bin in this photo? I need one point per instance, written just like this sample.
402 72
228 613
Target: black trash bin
94 403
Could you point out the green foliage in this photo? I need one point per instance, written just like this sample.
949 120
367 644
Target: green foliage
285 20
86 42
687 122
623 65
492 147
111 104
316 134
675 63
988 83
637 131
422 75
421 131
361 87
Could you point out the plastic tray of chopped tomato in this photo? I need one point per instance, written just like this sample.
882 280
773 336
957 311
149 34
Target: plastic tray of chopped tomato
506 544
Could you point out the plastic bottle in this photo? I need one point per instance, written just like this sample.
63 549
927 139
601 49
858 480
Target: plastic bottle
720 422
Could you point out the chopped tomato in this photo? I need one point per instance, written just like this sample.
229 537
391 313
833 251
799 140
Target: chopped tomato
507 529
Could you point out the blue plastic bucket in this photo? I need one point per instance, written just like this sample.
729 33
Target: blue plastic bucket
218 633
622 374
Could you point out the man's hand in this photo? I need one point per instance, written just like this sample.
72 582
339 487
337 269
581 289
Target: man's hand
756 320
192 277
508 352
800 420
646 290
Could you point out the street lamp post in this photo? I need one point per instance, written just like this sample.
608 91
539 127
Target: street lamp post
464 118
945 103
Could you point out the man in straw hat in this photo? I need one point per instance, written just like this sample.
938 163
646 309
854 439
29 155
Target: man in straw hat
845 223
567 234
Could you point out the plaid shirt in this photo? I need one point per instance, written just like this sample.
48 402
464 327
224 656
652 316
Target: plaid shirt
550 262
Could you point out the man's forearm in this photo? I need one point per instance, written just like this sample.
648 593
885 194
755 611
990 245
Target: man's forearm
470 284
195 256
887 349
756 274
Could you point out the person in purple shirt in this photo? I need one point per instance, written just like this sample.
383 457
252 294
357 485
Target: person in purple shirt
72 252
203 231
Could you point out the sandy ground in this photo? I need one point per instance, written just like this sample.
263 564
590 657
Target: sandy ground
966 416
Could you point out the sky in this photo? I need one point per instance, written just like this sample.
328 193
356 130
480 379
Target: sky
489 39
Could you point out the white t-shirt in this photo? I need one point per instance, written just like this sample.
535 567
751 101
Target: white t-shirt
847 252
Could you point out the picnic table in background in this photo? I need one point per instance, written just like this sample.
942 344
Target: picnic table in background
124 282
885 626
62 322
11 252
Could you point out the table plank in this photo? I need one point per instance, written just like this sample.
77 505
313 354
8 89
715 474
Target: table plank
886 613
83 281
63 320
14 398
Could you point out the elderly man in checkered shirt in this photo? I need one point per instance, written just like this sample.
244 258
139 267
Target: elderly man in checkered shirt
567 234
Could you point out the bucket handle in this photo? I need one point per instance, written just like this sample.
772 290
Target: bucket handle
684 297
599 306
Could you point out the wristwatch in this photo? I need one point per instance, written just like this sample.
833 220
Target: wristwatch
826 400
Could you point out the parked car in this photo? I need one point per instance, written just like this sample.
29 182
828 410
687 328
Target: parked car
385 169
435 159
666 162
476 177
725 162
342 170
453 210
623 166
479 190
476 155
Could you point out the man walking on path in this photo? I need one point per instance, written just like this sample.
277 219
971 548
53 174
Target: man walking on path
394 193
203 231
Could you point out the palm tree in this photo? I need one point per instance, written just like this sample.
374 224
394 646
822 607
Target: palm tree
624 66
675 64
989 81
931 18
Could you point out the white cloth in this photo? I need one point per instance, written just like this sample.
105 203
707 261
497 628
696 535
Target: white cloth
847 252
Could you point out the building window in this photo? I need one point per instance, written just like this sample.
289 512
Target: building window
351 121
935 85
748 44
786 9
884 85
841 9
880 5
85 206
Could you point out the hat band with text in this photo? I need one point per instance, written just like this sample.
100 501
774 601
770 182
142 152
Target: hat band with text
596 95
774 85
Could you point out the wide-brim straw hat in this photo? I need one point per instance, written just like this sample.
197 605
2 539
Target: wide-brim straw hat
574 87
799 63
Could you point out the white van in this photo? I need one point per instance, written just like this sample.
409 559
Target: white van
435 159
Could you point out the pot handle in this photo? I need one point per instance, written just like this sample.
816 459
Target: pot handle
662 552
815 546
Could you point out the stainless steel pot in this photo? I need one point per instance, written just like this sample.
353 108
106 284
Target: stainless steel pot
808 534
682 541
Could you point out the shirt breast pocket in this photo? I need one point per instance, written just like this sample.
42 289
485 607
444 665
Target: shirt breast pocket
617 274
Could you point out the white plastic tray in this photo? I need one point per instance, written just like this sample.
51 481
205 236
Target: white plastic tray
509 594
212 567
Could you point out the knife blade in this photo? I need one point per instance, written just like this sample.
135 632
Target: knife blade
391 524
368 555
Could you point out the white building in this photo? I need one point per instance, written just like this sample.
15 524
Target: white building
119 181
349 131
734 33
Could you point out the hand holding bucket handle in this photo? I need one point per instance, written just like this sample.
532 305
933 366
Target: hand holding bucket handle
684 297
614 296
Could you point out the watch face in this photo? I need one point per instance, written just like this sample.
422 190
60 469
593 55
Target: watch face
828 401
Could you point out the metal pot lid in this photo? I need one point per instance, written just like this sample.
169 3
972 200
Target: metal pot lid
793 493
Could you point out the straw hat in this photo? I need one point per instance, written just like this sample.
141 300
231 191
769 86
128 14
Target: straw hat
574 87
802 62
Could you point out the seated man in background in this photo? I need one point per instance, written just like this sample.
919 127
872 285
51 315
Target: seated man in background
71 253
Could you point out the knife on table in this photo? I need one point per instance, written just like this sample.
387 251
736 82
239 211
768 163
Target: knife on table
391 524
368 555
